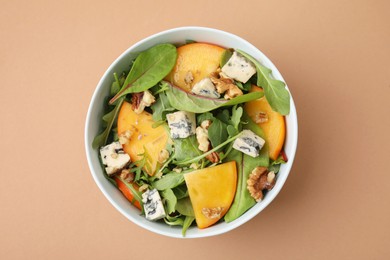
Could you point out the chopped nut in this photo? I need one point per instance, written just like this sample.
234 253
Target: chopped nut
189 78
213 157
202 138
142 100
143 187
205 124
194 166
114 155
212 213
260 180
125 137
225 85
177 170
163 156
261 117
126 175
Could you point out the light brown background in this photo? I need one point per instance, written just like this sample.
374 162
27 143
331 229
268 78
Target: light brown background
335 58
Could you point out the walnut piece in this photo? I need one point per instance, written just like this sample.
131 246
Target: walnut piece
142 100
261 117
225 85
125 137
213 157
126 175
203 139
260 179
189 78
212 213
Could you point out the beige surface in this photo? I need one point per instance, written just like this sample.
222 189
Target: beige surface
333 54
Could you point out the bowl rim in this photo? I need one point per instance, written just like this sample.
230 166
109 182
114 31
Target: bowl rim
247 215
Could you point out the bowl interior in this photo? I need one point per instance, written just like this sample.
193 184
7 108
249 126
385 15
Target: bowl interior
95 112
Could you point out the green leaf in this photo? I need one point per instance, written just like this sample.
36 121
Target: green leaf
169 181
187 223
174 221
184 207
161 107
180 191
245 164
225 57
109 119
275 90
150 67
236 116
217 132
186 148
170 200
182 100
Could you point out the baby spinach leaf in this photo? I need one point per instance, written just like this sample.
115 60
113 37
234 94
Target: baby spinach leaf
169 181
184 207
275 92
186 148
108 119
170 200
187 223
182 100
245 164
174 221
150 67
217 132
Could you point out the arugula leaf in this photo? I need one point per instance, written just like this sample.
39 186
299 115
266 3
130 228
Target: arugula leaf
275 92
180 191
169 181
108 119
150 67
184 207
170 200
187 223
161 107
186 148
174 221
182 100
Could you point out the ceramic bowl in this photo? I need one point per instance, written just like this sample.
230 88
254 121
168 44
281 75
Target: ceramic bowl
95 112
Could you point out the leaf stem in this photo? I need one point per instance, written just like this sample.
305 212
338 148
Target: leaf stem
196 159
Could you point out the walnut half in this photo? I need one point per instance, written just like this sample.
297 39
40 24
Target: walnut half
225 85
260 179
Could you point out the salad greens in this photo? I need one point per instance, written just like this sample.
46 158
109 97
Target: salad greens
149 68
226 121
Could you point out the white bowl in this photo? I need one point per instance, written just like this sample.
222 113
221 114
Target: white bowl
95 111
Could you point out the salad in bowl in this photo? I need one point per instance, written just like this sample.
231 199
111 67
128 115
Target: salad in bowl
193 134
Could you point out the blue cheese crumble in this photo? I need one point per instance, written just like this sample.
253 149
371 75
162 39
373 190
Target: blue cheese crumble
153 207
205 88
114 158
182 124
239 68
249 143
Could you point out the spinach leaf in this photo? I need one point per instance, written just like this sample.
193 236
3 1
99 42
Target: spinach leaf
182 100
184 207
205 116
187 223
108 121
275 92
169 181
217 132
186 148
245 164
161 107
150 67
170 200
